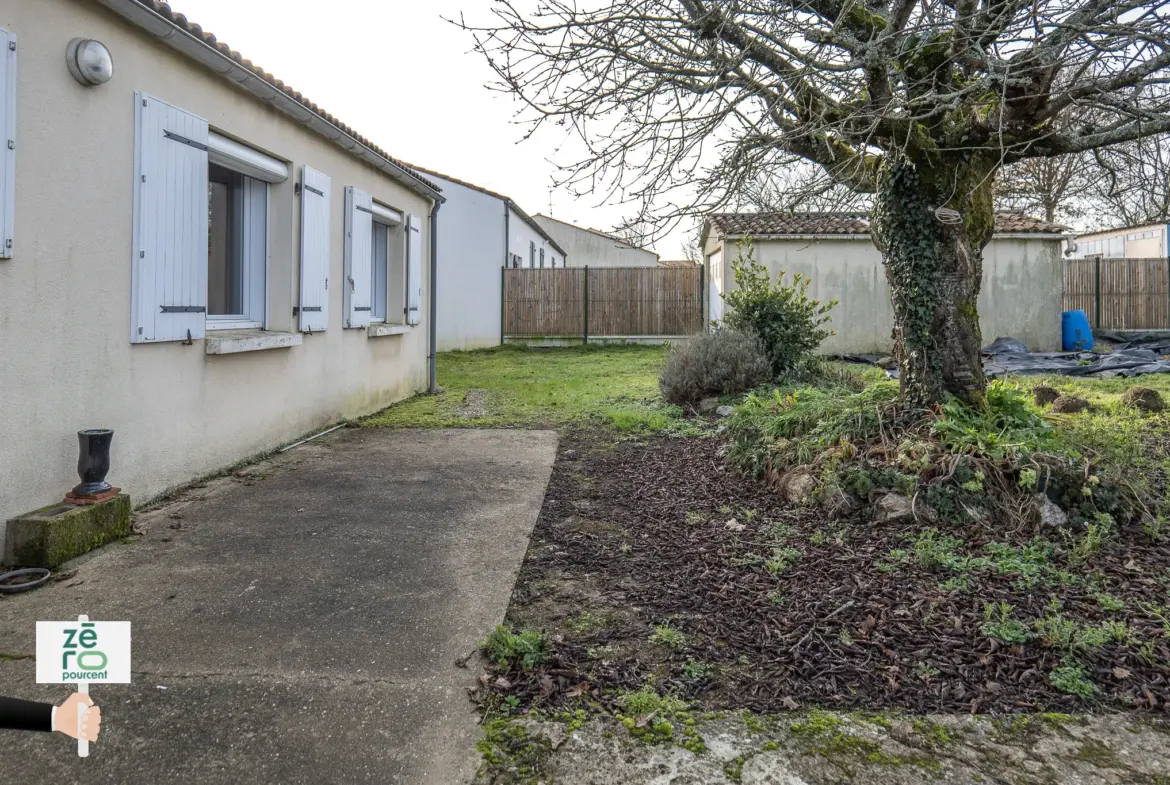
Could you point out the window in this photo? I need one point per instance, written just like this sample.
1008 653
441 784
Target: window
516 260
532 254
237 248
542 257
388 301
7 142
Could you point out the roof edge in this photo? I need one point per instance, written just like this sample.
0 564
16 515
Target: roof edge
183 40
599 233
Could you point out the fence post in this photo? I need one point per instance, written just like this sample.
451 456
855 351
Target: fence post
585 331
702 302
1097 293
503 299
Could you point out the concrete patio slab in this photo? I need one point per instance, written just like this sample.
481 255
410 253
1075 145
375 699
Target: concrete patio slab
298 621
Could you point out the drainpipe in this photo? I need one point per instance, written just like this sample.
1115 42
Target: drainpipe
507 262
433 384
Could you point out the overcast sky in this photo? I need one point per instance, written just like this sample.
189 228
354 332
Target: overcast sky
407 80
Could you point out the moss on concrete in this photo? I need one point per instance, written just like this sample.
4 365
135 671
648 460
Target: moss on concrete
53 535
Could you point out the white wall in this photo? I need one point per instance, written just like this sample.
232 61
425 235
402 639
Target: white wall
1021 296
471 256
587 248
66 362
521 235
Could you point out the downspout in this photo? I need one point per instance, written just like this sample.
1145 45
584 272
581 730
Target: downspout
507 261
433 385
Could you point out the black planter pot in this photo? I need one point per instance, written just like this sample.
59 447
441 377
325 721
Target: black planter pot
93 461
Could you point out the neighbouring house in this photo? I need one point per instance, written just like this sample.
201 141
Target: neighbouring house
1147 241
481 233
683 263
1021 294
594 248
194 254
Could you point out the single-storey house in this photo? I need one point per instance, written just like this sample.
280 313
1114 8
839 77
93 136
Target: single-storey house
1021 294
594 248
194 254
1145 241
481 233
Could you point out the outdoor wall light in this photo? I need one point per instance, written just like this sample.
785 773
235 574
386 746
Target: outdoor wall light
89 61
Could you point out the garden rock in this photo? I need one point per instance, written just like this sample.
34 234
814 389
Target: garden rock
708 405
1069 404
1143 399
1044 395
797 486
893 507
886 363
725 410
1049 513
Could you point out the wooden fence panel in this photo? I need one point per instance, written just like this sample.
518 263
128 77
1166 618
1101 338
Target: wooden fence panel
1119 294
620 301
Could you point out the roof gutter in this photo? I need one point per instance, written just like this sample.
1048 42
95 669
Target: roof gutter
181 40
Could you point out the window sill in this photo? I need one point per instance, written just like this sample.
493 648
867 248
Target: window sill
235 341
378 330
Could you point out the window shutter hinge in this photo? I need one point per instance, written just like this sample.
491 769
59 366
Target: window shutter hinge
142 254
144 178
11 144
189 340
8 243
11 46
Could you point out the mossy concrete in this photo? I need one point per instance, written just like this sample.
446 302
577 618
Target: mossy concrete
830 748
59 532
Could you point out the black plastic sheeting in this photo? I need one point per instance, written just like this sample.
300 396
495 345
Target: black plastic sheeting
1133 356
1007 356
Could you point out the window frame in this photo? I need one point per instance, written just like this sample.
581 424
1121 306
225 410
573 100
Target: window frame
8 152
253 300
392 221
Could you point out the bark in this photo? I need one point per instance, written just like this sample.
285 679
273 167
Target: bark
935 269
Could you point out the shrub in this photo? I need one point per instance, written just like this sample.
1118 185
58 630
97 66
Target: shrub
787 320
723 361
525 649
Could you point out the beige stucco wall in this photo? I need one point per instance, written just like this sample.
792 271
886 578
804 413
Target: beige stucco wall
584 248
1021 294
66 361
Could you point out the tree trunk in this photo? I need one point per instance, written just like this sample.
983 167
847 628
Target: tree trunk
934 265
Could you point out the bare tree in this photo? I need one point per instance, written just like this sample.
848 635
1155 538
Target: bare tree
681 103
1061 188
800 185
1133 186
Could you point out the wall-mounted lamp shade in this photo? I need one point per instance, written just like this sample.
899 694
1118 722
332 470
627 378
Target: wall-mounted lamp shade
89 61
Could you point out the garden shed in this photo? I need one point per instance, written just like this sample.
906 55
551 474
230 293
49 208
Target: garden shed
1020 297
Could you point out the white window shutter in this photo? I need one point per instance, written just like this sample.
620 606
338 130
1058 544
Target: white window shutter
359 252
8 141
413 269
169 273
314 307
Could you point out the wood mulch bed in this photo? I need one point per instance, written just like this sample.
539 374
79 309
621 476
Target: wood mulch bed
635 535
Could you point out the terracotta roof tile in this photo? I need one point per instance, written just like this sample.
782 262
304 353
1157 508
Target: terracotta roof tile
801 223
164 10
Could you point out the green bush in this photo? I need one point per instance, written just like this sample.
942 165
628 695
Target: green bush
722 361
525 649
787 320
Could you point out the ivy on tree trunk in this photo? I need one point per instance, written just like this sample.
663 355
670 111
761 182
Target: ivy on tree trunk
934 265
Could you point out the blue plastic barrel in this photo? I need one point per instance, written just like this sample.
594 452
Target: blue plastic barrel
1075 334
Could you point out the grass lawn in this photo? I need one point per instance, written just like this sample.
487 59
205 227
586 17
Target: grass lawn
514 386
